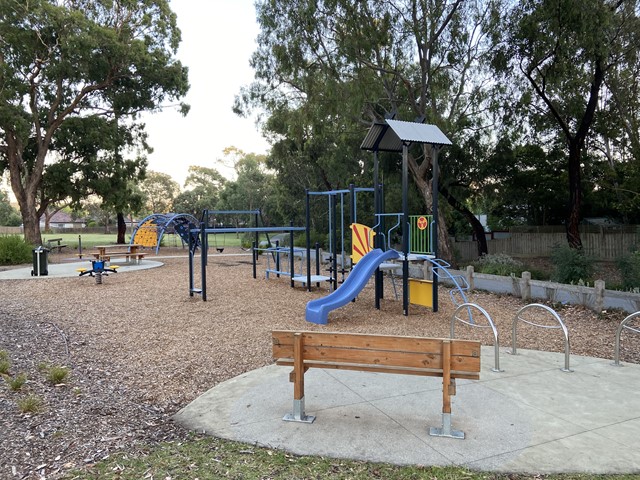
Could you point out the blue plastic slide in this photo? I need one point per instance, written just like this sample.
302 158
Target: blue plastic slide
318 310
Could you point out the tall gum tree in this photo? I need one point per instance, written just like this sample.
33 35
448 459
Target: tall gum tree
418 58
61 59
560 53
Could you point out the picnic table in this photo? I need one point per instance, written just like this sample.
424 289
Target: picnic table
129 251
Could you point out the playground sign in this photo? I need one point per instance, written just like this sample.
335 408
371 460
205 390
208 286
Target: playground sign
422 223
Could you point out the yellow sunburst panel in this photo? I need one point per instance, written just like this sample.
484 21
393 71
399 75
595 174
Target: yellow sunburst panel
147 234
362 241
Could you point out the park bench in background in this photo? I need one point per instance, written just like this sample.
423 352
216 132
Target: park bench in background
55 243
446 358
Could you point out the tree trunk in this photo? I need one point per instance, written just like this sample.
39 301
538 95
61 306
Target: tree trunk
31 225
575 197
478 229
122 228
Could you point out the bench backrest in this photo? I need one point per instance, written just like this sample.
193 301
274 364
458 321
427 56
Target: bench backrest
407 355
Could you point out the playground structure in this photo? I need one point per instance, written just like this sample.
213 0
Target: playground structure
210 225
337 246
397 136
391 136
152 228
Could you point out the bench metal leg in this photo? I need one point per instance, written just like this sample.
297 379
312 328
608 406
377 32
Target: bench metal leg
298 414
446 430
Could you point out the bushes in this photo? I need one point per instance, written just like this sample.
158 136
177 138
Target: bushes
571 265
14 250
629 267
499 264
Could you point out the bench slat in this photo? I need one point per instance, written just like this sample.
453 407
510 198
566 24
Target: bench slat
378 357
284 338
401 351
426 372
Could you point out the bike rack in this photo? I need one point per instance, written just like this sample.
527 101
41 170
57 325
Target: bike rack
560 325
622 326
468 307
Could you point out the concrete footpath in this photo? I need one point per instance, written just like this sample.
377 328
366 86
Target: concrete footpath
69 269
530 418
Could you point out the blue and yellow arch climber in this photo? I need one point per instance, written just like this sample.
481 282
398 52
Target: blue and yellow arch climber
150 230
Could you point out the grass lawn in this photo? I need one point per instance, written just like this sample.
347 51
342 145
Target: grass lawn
213 458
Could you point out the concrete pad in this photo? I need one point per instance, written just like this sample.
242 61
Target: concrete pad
69 269
532 418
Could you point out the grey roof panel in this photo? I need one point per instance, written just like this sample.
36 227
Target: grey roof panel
418 132
381 138
389 136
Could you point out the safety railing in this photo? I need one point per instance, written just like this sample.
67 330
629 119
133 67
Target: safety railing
560 325
468 307
624 325
440 269
387 236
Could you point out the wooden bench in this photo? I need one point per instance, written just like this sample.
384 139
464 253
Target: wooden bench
58 244
433 357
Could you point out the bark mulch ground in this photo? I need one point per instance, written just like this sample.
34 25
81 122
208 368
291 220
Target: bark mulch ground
138 348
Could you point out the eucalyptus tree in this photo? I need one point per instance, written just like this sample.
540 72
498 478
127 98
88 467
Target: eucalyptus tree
158 191
90 161
9 216
68 59
561 54
202 191
326 69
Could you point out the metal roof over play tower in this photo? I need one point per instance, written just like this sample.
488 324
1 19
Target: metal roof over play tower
397 136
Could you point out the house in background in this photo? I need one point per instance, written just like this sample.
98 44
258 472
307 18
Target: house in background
61 220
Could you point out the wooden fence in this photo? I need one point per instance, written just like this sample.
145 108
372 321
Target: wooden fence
10 230
604 245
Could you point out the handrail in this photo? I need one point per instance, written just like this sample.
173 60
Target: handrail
442 265
491 325
623 325
388 235
560 325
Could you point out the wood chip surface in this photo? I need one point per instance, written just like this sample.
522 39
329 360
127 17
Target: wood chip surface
139 348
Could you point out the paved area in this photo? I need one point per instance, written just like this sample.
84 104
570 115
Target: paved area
69 269
530 418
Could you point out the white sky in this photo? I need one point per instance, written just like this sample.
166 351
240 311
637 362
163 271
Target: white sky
218 38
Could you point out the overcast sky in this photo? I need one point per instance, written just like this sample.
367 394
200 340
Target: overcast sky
218 38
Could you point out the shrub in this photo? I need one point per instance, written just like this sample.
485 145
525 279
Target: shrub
30 404
16 383
571 265
57 375
629 267
14 250
499 264
5 363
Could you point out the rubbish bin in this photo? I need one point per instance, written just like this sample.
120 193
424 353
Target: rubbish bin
40 262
